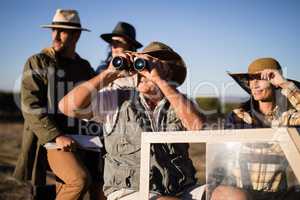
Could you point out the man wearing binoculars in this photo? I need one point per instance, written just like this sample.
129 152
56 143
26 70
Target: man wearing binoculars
154 105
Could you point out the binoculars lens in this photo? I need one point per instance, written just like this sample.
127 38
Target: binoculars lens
139 64
118 62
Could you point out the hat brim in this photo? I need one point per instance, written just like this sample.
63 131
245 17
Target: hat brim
179 72
178 65
164 54
108 38
243 80
65 27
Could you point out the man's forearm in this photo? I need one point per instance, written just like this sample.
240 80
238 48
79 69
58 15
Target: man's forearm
80 97
184 108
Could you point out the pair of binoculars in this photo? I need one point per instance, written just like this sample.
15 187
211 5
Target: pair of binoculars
121 63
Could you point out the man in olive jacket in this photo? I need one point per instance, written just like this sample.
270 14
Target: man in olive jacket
47 77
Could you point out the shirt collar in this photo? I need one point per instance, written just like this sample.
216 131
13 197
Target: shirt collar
160 104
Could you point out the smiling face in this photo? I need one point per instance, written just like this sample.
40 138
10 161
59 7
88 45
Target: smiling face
261 90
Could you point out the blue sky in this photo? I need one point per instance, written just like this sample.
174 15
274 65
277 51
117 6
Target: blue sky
213 36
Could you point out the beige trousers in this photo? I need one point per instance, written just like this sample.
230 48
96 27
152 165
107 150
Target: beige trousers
67 167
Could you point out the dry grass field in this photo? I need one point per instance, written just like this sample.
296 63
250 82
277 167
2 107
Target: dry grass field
10 143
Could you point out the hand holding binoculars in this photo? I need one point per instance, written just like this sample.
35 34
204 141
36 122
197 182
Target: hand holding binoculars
121 63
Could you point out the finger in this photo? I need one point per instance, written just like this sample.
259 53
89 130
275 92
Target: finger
271 75
268 74
145 73
66 148
132 72
130 56
147 57
263 75
67 143
59 147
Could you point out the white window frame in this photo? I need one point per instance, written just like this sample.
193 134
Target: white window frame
288 139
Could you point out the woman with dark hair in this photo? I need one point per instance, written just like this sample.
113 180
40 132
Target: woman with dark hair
121 39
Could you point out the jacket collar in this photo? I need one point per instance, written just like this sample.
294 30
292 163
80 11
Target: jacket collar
49 51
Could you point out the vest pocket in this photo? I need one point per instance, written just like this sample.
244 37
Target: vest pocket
125 148
119 176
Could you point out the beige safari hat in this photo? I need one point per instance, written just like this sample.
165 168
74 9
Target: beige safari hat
254 68
66 19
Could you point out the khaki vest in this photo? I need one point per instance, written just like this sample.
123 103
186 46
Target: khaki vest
171 170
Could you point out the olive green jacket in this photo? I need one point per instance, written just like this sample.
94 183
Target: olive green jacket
47 77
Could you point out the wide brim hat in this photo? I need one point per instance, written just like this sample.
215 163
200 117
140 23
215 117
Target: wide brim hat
66 19
167 54
253 69
125 30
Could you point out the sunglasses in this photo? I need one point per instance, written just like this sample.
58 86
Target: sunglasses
254 76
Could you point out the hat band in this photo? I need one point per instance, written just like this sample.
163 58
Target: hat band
67 24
